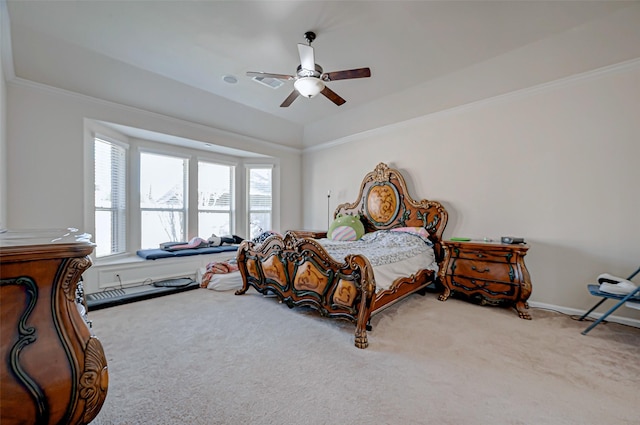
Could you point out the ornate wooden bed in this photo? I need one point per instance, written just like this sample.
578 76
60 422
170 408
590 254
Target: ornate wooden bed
300 272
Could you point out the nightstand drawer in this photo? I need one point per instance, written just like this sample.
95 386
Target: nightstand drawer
489 288
485 255
486 270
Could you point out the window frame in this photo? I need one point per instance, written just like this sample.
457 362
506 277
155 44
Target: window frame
184 210
233 192
239 215
124 225
248 210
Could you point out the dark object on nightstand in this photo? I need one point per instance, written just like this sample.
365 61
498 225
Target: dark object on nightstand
493 273
511 240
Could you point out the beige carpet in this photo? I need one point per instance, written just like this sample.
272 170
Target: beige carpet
206 357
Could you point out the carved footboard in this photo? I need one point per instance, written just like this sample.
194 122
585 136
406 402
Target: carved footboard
300 272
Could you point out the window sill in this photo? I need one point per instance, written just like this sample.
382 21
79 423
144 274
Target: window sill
115 260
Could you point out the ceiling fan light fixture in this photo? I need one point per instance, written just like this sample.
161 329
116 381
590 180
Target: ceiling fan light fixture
309 79
309 86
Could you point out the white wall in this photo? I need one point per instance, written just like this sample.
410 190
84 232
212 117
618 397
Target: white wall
45 157
556 164
609 39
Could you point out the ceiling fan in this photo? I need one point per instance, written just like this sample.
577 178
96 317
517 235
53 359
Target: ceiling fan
310 78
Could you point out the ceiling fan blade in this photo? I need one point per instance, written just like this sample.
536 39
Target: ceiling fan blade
307 59
269 75
289 100
347 74
332 96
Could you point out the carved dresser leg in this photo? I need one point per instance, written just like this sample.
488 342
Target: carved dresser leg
521 307
445 295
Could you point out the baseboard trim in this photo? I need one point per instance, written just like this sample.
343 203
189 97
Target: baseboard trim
576 312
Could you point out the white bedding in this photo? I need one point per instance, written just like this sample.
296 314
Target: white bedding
392 255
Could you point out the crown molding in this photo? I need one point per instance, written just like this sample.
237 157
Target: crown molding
625 66
268 146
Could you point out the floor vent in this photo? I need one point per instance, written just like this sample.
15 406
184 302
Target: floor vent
105 295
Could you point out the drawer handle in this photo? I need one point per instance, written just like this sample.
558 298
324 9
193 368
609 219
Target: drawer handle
479 271
480 255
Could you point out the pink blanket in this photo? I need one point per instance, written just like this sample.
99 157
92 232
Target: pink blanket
214 267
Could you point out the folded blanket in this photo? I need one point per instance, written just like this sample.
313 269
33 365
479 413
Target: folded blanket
193 243
198 242
217 267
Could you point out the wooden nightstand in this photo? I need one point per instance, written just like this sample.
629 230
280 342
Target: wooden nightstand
313 234
494 273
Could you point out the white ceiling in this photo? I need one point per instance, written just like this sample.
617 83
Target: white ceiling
407 44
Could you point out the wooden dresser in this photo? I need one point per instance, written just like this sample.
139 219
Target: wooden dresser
492 273
52 369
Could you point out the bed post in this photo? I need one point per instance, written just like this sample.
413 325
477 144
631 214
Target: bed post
368 289
242 266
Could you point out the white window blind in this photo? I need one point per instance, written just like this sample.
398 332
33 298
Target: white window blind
110 177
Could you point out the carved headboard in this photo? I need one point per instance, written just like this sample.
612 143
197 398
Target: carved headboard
384 203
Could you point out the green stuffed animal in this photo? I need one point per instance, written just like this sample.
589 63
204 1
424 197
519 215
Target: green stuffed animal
346 228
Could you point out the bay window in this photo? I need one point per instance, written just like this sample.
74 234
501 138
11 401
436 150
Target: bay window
144 193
